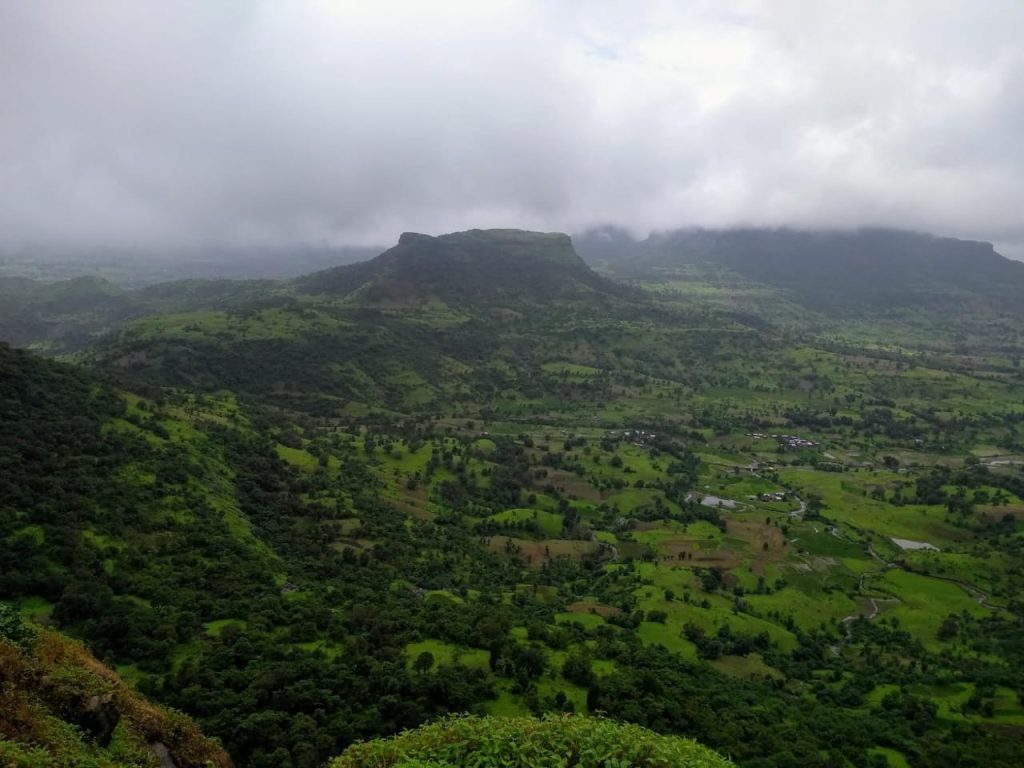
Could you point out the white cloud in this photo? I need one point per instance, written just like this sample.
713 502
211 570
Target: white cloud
152 124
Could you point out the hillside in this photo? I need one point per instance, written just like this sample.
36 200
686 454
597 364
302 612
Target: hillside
494 272
68 316
811 278
308 517
478 267
430 322
60 707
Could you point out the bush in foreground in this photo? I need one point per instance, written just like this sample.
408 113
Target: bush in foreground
552 742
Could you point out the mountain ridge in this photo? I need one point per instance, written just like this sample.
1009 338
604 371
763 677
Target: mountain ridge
826 269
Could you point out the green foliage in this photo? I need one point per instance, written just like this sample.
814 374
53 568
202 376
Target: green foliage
60 707
288 494
551 742
13 628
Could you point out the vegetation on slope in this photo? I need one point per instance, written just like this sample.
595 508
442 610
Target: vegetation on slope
520 742
853 271
373 513
478 267
871 283
61 708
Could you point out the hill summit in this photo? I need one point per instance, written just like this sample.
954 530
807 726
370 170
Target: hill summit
473 267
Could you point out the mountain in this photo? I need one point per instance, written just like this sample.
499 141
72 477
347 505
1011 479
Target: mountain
479 267
850 272
132 268
421 324
113 507
318 512
67 316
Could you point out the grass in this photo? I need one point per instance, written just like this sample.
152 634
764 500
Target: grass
32 533
507 704
924 603
554 684
35 608
447 654
297 457
326 647
892 757
550 523
748 667
215 628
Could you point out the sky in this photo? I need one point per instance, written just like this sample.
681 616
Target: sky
239 123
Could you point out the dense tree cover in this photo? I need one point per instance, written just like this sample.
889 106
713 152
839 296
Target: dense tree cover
142 541
292 522
767 724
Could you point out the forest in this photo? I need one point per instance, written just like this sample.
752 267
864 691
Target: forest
312 512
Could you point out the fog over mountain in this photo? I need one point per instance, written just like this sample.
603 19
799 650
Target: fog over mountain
155 126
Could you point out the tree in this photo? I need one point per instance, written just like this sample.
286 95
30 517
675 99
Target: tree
577 669
424 662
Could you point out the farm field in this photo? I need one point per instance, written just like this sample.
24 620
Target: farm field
346 508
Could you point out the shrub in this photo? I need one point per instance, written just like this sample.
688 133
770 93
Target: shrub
555 741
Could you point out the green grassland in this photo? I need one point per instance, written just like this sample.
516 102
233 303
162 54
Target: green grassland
300 495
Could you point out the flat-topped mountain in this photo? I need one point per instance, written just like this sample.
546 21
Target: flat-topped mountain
473 267
852 271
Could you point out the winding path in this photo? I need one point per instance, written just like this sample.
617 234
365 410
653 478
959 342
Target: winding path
981 597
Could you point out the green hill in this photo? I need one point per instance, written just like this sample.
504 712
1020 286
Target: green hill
478 267
529 743
430 322
67 316
821 279
317 512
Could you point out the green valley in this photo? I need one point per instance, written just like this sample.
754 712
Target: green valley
474 475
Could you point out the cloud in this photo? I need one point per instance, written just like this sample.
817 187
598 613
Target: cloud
161 125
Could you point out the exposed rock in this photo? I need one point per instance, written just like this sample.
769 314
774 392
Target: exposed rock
162 754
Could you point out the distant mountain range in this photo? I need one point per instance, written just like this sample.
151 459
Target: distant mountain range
790 279
851 272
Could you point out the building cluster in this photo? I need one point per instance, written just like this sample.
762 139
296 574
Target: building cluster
777 496
790 441
639 436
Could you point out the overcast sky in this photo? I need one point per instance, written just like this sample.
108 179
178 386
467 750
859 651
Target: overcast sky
238 122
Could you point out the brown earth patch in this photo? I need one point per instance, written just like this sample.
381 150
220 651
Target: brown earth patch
715 558
998 513
413 509
536 553
756 534
570 484
648 525
587 606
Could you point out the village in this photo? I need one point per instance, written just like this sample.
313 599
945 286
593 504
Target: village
789 441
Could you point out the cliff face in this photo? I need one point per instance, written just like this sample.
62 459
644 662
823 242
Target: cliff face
59 706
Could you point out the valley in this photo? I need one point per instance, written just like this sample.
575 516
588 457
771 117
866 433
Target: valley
476 475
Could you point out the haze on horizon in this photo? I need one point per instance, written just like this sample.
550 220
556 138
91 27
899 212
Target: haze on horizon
151 125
